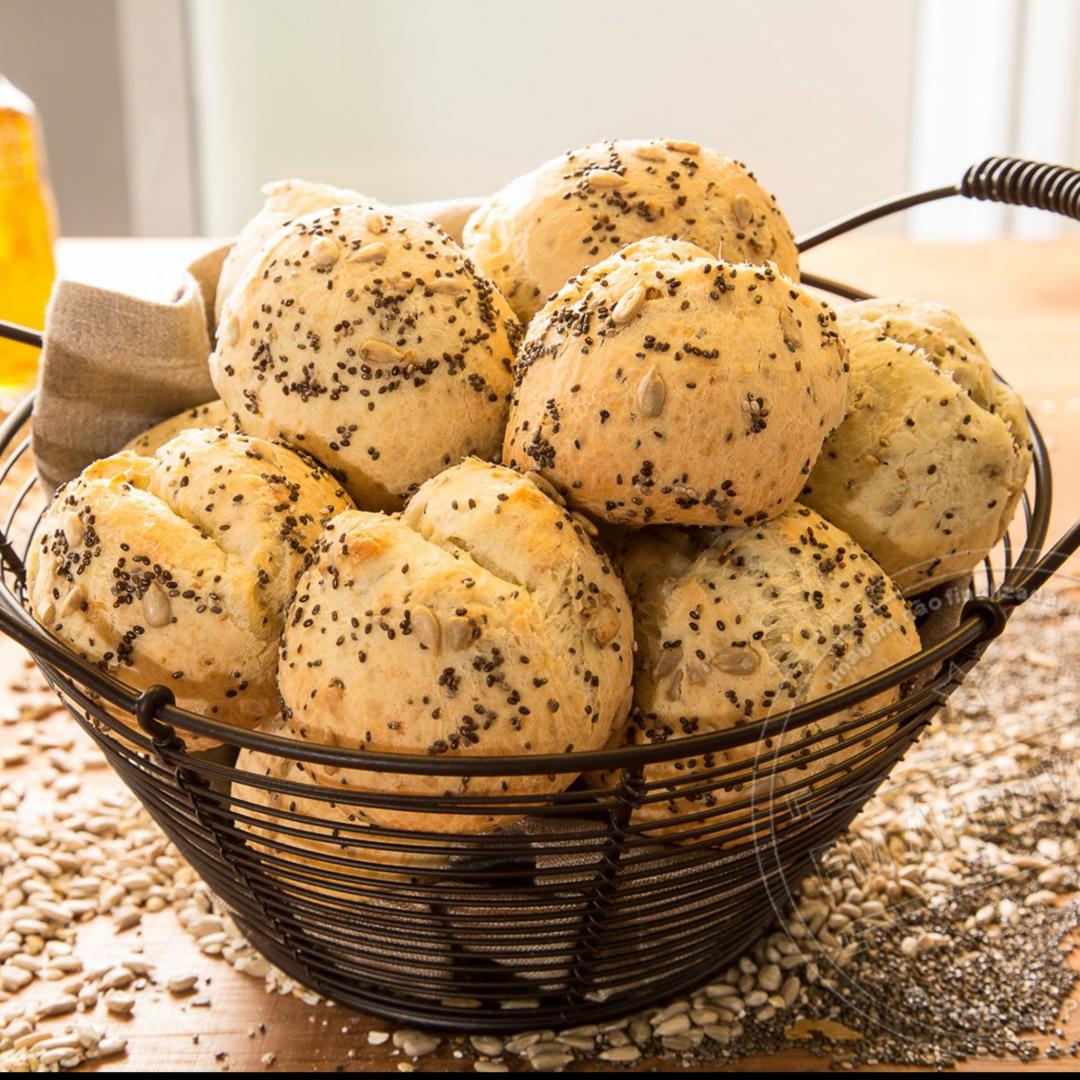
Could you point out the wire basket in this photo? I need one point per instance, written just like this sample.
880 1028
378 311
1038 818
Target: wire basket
577 911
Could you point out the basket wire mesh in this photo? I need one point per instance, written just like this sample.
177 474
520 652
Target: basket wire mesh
577 910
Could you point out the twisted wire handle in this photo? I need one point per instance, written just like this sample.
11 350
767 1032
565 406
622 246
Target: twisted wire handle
1025 183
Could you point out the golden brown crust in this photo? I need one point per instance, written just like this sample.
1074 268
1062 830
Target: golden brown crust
736 626
176 568
332 828
579 208
482 622
211 415
368 339
926 470
667 386
284 201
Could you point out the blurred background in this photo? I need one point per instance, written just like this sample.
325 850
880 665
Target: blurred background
164 117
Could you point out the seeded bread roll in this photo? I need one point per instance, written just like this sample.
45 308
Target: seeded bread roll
176 568
285 200
581 207
369 340
211 415
335 829
664 385
482 622
735 626
927 469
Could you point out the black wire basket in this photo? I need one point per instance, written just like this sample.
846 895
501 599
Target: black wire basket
579 911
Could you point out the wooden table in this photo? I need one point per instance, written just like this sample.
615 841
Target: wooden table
1022 299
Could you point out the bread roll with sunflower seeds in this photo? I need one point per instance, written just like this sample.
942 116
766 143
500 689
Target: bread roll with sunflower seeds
176 568
211 415
736 626
312 867
581 207
926 471
334 829
368 339
484 621
666 386
284 201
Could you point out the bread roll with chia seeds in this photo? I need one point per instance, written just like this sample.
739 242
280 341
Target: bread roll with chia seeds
284 201
368 339
579 208
211 415
334 828
926 470
377 895
665 386
481 622
176 568
736 626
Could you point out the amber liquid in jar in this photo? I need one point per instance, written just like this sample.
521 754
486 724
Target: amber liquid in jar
27 268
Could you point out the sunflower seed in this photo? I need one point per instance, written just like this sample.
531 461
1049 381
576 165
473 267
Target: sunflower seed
448 286
120 1002
59 1006
425 624
376 251
651 393
621 1054
682 147
457 633
736 661
324 252
156 606
380 351
374 222
629 305
669 660
603 623
111 1046
743 209
181 984
604 179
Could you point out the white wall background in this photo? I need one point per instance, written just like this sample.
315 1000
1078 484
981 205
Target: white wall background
426 99
164 117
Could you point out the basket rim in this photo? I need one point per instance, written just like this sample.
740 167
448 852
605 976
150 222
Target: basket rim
1000 179
976 629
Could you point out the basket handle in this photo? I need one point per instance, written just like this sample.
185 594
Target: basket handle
1019 182
1015 181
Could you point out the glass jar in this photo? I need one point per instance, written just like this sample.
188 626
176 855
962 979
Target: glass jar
27 227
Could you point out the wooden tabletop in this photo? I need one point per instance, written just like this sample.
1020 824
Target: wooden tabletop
1021 299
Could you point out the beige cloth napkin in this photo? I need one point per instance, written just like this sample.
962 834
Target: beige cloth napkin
114 365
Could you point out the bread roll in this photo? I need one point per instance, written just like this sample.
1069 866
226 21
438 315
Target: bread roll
482 622
285 200
581 207
176 568
449 214
735 626
388 895
369 340
926 471
211 415
332 828
666 386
